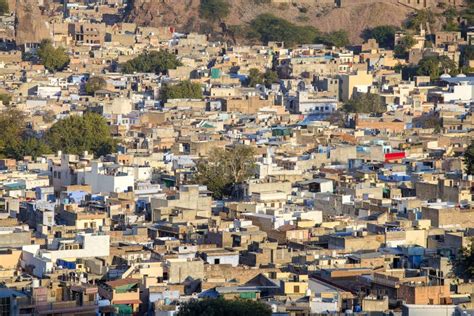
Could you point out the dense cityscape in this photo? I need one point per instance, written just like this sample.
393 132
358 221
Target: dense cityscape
248 157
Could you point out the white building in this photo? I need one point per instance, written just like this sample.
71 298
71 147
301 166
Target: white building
106 178
83 246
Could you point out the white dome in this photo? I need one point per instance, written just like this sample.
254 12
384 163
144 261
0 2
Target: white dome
461 76
445 76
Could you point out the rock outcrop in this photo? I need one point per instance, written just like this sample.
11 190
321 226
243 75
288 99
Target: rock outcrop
31 24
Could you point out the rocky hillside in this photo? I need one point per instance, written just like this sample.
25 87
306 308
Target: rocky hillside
31 24
354 17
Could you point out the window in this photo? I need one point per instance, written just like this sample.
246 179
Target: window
296 289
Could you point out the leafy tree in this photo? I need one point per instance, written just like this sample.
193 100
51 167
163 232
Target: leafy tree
5 99
28 146
335 38
420 19
94 84
256 77
268 27
468 13
13 126
183 90
217 307
406 43
225 168
152 62
214 10
76 134
467 54
15 142
434 66
53 59
463 264
450 15
384 35
270 77
365 103
469 159
4 7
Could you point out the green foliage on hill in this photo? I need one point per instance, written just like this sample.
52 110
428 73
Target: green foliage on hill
76 134
94 84
183 90
450 15
218 307
267 28
365 103
468 12
384 35
151 62
223 169
420 18
214 10
4 7
336 38
53 59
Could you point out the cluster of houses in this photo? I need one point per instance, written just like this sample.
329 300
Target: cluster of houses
364 216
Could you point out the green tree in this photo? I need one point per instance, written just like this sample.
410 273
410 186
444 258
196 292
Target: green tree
13 126
335 38
225 168
15 141
94 84
183 90
434 66
268 27
406 43
5 99
219 306
270 77
76 134
214 10
450 15
468 13
365 103
463 264
28 146
4 7
420 18
384 35
53 59
469 159
255 77
151 62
